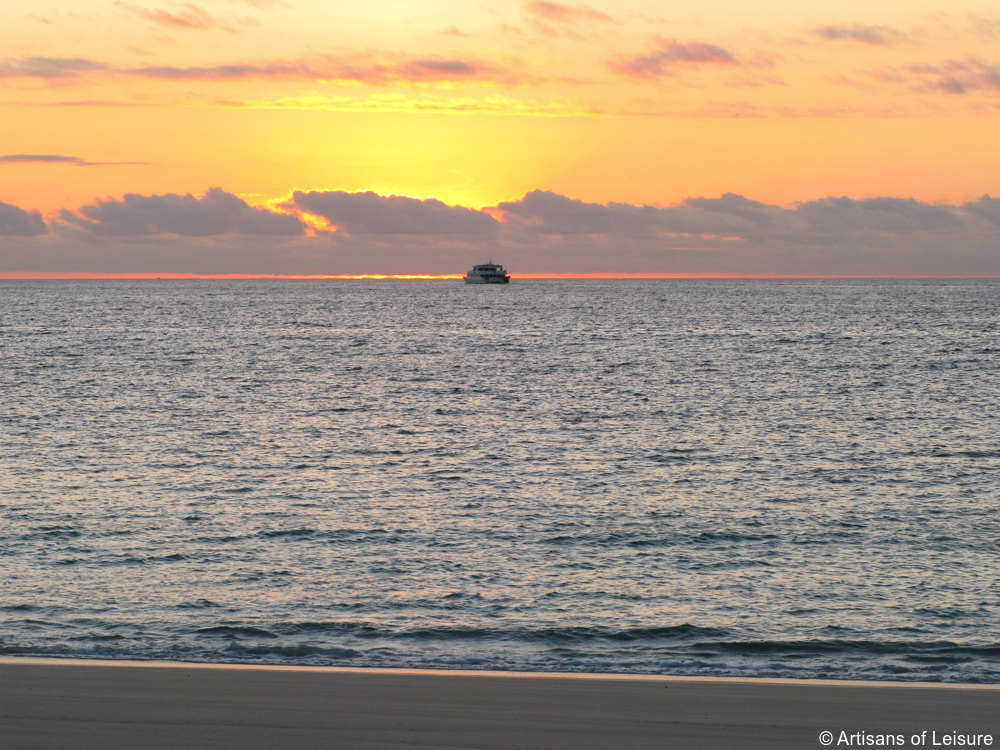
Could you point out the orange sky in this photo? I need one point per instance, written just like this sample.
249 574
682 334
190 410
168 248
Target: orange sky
633 102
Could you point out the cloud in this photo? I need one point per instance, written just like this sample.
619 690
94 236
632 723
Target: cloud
566 13
734 234
95 103
192 17
671 55
395 102
987 28
542 231
215 213
987 207
371 213
50 67
718 222
544 212
895 215
366 68
418 71
877 35
75 161
332 69
555 18
44 158
957 76
236 71
759 214
16 222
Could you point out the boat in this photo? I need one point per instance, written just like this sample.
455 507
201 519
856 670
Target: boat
487 273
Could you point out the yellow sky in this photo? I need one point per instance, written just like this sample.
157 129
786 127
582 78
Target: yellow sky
637 102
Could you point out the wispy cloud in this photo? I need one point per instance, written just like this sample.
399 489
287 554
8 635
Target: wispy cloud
259 4
75 161
566 13
237 71
362 68
392 102
955 77
988 29
97 103
726 109
877 35
555 19
426 71
191 17
51 67
670 56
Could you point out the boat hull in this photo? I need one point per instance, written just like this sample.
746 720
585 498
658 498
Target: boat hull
481 280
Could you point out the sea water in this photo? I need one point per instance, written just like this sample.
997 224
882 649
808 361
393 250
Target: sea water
758 478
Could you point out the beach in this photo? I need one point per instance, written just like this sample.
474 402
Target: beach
55 703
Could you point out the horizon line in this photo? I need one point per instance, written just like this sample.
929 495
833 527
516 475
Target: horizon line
166 276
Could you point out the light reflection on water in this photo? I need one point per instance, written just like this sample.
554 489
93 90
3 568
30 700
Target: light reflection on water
710 477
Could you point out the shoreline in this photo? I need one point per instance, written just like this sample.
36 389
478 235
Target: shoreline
499 673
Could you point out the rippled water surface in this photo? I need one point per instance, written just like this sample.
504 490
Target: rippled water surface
796 478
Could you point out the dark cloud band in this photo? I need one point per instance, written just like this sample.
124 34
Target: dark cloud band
541 231
370 213
376 70
215 213
75 161
16 222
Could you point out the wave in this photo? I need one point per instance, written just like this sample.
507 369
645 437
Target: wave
940 662
683 649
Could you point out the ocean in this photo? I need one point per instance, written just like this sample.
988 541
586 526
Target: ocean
766 478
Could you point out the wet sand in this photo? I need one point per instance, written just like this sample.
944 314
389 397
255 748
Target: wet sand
49 703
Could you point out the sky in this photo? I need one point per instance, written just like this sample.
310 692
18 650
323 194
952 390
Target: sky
326 137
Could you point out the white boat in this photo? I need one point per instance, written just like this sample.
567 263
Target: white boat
487 273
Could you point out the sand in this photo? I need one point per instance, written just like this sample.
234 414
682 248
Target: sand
50 703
